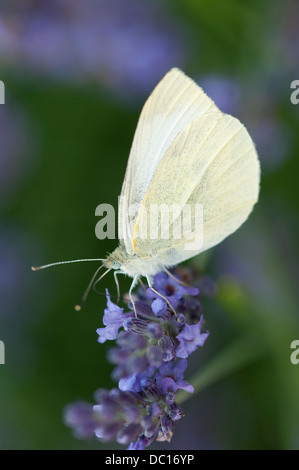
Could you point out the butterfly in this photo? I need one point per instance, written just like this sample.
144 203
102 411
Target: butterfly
186 153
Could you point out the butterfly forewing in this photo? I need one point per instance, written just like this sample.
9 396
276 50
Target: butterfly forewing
175 102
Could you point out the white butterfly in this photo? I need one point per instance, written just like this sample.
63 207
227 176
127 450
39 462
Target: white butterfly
185 152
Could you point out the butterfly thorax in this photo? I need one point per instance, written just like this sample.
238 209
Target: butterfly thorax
133 265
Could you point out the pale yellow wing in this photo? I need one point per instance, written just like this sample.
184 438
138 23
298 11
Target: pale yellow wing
212 162
175 102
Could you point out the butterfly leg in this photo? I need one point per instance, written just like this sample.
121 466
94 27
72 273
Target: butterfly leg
135 280
160 295
142 284
117 284
175 278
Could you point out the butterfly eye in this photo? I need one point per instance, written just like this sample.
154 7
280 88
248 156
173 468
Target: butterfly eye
115 264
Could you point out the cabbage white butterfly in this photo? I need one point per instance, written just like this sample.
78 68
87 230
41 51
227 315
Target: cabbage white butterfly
185 151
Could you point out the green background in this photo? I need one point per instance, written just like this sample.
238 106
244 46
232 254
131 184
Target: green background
70 155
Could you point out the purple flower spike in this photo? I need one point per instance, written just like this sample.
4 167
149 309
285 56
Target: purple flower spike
113 319
190 338
147 368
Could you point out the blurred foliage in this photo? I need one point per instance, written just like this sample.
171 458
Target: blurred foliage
78 136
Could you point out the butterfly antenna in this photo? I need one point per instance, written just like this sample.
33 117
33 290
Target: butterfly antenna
84 297
38 268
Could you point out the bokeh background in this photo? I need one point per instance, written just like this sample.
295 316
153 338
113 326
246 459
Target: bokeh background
76 75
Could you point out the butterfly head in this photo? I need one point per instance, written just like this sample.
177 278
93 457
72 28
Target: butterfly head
116 259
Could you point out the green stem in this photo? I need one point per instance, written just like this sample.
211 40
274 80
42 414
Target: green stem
238 355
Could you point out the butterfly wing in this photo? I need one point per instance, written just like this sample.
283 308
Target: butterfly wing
175 102
213 163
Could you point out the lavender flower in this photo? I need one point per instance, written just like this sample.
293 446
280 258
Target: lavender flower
170 378
113 319
190 338
147 368
170 289
81 418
